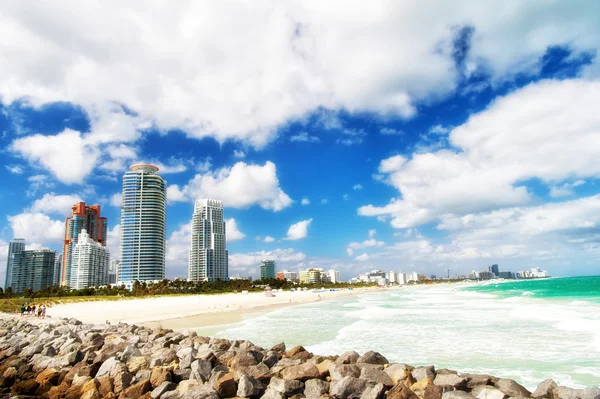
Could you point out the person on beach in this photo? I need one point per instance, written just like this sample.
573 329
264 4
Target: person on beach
33 309
43 311
22 309
28 310
39 312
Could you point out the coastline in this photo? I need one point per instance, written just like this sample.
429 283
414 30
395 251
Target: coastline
191 310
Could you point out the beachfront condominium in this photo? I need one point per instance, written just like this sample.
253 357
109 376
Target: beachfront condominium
334 276
89 267
83 217
143 226
267 269
208 259
33 269
15 245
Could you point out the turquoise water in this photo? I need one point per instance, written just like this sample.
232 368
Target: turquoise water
513 330
566 288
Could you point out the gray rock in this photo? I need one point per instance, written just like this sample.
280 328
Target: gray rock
249 387
487 392
591 393
372 358
32 349
280 347
201 370
569 393
339 371
315 388
420 373
512 388
129 352
302 372
474 380
546 389
272 394
452 380
108 367
397 371
457 395
171 395
373 392
162 388
286 387
376 376
348 387
202 392
348 357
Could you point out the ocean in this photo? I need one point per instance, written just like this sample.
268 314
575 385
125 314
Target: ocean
525 330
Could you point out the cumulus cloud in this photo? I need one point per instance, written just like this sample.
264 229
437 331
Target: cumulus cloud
268 239
232 230
387 131
324 201
51 203
357 187
304 137
239 154
116 199
370 243
529 133
14 169
298 231
37 227
240 186
305 201
178 252
362 258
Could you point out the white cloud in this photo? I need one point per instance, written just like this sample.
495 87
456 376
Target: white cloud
351 137
113 241
37 227
298 231
116 199
232 230
565 190
362 258
268 239
240 186
324 201
14 169
249 264
346 197
529 133
370 243
66 155
305 137
387 131
305 201
438 129
178 252
357 187
239 154
372 233
51 203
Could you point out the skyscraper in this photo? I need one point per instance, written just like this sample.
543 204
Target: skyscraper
33 269
208 251
83 217
267 269
143 225
89 267
14 246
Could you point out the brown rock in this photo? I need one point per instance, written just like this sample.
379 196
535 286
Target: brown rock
241 361
105 385
90 385
91 394
348 357
512 388
547 389
160 375
419 387
323 368
137 390
27 387
302 372
58 391
74 392
121 381
401 391
295 350
226 386
137 363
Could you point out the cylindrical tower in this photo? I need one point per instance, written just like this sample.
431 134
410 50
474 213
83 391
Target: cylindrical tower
143 225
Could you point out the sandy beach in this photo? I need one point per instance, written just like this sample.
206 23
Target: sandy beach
190 310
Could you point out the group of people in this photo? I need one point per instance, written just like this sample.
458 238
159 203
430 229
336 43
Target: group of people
33 310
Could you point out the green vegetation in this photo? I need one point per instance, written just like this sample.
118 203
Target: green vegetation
59 294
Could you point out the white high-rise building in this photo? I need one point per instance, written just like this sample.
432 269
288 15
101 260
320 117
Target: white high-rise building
402 278
89 263
208 252
414 276
334 276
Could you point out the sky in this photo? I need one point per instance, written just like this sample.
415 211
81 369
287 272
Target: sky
406 136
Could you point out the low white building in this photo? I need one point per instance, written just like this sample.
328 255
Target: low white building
90 262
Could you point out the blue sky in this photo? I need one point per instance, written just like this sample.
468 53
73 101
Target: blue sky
356 136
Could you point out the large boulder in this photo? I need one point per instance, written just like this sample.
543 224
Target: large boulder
398 372
450 380
302 372
457 395
420 373
160 375
338 371
162 389
348 357
371 357
488 392
109 367
136 390
512 388
200 392
225 385
286 387
376 376
569 393
373 392
591 393
547 389
201 370
348 387
316 388
401 391
249 387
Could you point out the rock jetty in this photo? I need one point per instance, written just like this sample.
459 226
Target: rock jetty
70 360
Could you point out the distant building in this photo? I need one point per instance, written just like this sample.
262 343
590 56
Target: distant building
311 276
392 277
113 271
33 269
334 276
485 275
209 259
89 264
238 277
267 269
143 226
506 275
56 272
473 275
83 217
15 246
414 276
402 278
494 269
291 276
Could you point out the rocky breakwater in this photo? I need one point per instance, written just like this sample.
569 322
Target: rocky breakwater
68 359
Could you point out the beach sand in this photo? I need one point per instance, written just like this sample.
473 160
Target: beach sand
187 311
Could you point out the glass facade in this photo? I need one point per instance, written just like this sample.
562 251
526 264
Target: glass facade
143 225
33 269
14 246
208 250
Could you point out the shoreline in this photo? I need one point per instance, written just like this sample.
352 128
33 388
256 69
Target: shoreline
193 310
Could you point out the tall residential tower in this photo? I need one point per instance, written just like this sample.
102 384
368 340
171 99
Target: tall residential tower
15 246
33 269
89 267
82 217
208 252
143 225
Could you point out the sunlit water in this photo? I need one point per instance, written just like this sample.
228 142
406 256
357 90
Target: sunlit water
456 326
